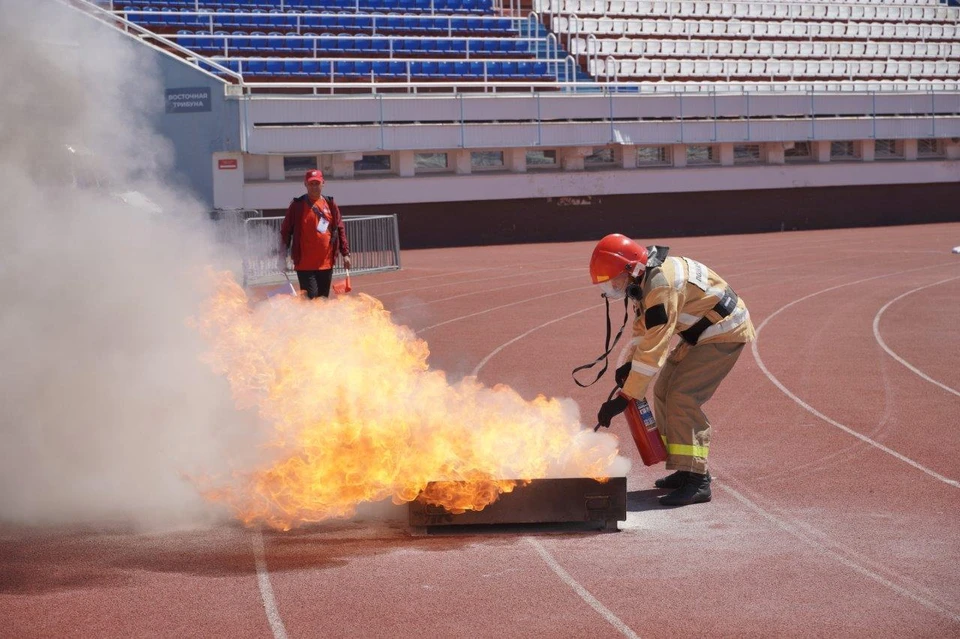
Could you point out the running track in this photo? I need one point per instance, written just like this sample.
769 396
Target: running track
836 508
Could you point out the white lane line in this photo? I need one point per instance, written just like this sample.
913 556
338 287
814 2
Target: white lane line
591 286
883 345
266 590
594 603
756 356
494 352
491 290
502 306
821 548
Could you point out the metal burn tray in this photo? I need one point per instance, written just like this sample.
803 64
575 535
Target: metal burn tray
542 501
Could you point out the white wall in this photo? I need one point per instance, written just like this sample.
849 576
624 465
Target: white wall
485 186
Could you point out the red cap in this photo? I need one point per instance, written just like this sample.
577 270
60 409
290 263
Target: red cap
313 175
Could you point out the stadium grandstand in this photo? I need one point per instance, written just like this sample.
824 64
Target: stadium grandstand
565 119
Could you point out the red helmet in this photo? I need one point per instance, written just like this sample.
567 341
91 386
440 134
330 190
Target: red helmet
616 254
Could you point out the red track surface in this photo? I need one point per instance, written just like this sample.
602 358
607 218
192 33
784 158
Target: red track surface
836 506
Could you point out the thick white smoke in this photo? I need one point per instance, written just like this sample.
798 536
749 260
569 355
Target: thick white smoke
105 403
107 408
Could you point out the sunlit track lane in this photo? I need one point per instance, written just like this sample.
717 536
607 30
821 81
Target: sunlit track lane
920 605
78 583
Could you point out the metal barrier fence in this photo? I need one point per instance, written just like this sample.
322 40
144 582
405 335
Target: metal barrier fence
229 224
374 247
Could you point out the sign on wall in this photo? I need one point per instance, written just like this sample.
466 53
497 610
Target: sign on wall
188 100
227 164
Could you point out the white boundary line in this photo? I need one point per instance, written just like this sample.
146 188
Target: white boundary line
883 345
594 603
497 308
494 352
754 347
490 290
795 531
266 590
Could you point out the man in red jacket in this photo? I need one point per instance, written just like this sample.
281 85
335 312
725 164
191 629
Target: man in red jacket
315 226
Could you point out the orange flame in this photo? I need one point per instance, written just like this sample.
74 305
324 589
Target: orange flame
356 415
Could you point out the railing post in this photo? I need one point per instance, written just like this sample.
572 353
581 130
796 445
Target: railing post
380 110
463 128
539 122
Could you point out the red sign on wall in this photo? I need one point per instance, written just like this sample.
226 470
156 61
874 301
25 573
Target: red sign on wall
228 163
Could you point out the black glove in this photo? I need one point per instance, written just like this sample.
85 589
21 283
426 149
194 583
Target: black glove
611 409
621 375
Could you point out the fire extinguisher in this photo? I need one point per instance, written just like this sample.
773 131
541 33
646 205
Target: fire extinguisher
643 427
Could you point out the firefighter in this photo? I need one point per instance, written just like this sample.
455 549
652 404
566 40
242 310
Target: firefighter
673 296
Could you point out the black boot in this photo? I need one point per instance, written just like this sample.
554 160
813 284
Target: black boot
672 481
695 490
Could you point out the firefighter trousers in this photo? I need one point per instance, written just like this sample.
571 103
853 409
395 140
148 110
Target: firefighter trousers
686 382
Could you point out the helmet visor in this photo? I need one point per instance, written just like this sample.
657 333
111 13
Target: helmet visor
615 289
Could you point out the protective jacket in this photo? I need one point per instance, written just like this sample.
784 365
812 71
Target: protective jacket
679 295
290 229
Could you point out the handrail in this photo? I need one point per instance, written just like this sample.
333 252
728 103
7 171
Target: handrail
847 87
609 62
555 57
105 15
658 87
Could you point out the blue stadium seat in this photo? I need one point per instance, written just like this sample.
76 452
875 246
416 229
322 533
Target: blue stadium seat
430 69
381 68
475 25
398 68
186 41
410 45
525 68
379 45
292 67
312 68
541 69
432 25
274 67
344 67
296 44
461 68
458 24
255 67
495 70
391 23
363 44
475 68
447 69
429 45
311 21
239 46
347 22
458 47
363 69
229 21
511 69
